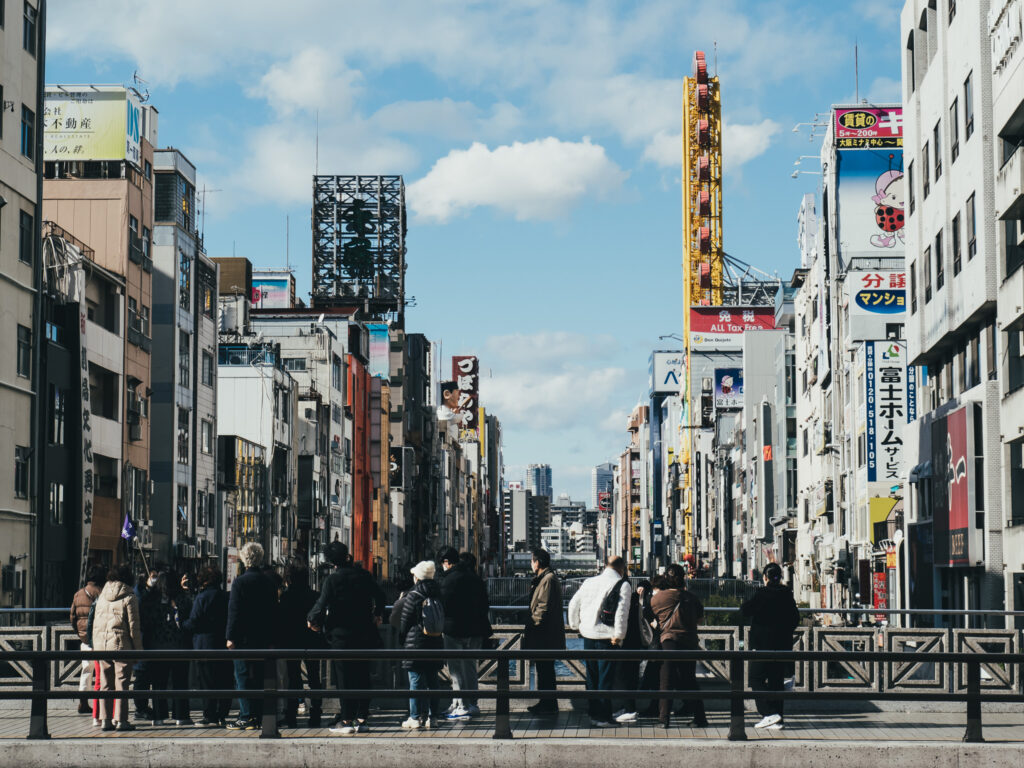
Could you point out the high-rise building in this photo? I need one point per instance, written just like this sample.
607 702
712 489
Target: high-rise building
954 449
602 479
184 404
538 480
20 263
102 193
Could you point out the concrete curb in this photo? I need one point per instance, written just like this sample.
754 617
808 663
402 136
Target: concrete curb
521 753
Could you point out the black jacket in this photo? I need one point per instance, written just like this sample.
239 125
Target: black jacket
466 607
208 621
292 612
410 625
350 600
160 631
252 610
773 618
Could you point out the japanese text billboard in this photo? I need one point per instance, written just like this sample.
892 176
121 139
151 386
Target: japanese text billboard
871 199
667 372
877 303
723 327
868 127
466 377
890 406
729 389
92 124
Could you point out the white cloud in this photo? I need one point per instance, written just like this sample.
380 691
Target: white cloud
742 143
547 348
456 120
665 149
303 81
540 179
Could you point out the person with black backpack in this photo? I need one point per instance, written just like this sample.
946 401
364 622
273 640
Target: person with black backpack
600 611
420 626
349 610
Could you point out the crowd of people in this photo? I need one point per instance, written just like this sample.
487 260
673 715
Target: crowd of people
444 608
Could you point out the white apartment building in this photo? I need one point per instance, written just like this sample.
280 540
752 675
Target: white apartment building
953 450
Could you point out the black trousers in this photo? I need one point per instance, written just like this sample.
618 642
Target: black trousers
546 681
291 709
215 674
627 678
768 676
352 675
679 675
181 708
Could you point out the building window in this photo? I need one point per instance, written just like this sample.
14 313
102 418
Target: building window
183 510
937 149
28 132
183 422
144 321
803 441
184 281
207 369
133 225
974 363
336 372
925 172
29 29
954 130
972 232
913 287
926 262
184 362
58 401
146 242
990 351
56 503
24 351
148 170
21 472
910 185
940 271
294 363
26 237
954 243
968 107
206 436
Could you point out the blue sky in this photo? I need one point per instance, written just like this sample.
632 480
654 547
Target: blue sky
539 142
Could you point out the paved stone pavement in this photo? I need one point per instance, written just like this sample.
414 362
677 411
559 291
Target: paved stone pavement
1005 727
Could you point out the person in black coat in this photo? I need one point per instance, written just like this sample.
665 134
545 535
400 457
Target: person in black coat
251 622
208 624
423 674
349 610
293 632
773 619
467 625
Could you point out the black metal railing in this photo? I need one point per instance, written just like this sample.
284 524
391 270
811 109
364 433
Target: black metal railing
737 693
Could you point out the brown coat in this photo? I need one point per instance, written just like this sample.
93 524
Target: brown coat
679 625
115 624
544 626
81 603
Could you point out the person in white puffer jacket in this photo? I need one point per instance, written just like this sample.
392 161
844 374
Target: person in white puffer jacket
585 611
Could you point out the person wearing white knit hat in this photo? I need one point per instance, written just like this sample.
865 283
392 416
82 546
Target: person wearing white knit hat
420 627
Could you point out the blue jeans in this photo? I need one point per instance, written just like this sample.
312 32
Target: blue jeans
464 671
424 680
600 677
248 678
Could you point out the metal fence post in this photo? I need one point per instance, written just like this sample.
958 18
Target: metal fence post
973 732
502 726
37 728
737 727
269 729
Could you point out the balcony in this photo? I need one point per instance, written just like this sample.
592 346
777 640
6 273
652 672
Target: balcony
137 338
1009 192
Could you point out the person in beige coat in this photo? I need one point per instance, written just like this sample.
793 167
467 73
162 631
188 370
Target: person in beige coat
116 627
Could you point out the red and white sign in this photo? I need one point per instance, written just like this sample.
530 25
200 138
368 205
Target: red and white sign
958 479
868 127
724 326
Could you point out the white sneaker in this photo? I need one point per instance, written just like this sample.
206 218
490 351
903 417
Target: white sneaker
768 720
411 723
599 724
345 729
460 713
626 717
776 727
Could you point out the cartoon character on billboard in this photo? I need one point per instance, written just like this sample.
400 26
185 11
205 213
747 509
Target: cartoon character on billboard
888 200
